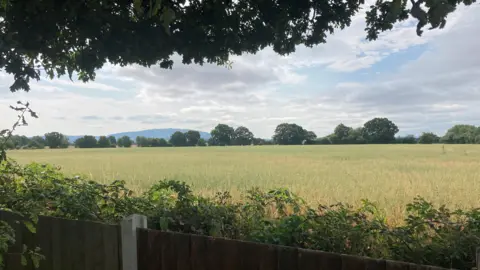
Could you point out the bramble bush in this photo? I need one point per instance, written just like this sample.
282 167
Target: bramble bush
429 235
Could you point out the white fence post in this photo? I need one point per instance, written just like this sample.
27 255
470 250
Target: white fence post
129 227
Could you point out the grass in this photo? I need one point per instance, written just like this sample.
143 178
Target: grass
391 175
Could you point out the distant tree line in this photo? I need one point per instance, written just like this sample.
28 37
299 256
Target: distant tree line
375 131
89 141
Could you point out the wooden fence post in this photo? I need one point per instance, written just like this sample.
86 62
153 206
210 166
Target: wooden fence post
129 227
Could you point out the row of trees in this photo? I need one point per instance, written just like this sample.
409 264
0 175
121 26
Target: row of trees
375 131
88 141
382 130
189 138
52 140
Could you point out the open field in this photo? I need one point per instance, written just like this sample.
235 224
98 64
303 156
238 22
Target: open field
391 175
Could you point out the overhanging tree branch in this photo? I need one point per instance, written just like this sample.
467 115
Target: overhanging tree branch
79 37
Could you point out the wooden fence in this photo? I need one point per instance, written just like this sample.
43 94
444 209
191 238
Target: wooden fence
66 244
159 250
81 245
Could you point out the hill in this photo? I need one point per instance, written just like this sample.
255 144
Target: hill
149 133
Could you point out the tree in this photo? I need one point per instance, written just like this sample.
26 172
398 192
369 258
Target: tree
355 136
428 138
192 137
461 134
124 141
242 136
142 141
59 43
222 135
19 142
178 139
37 142
104 142
156 142
380 130
86 141
56 140
201 142
289 134
113 141
310 137
342 132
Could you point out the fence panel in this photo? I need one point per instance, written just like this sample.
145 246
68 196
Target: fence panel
159 250
66 244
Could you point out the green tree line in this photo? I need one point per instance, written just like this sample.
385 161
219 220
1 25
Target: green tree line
375 131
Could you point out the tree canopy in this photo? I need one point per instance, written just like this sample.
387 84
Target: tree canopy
56 140
289 134
222 134
380 130
79 37
178 139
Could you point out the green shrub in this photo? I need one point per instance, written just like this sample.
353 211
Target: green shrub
428 235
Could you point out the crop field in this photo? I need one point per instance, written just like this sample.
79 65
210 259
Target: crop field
390 175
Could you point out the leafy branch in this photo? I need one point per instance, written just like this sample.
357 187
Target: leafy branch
6 134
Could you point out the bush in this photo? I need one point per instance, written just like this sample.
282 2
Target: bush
429 235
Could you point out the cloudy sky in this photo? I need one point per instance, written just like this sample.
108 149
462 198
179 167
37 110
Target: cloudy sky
422 84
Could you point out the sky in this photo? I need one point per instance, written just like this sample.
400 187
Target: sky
423 84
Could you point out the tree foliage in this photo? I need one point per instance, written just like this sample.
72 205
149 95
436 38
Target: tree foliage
222 135
290 134
201 142
380 130
409 139
462 134
104 142
124 141
86 141
178 139
192 137
79 37
242 136
342 132
112 140
56 140
428 138
142 141
37 142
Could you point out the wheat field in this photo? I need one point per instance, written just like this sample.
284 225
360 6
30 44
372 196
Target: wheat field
390 175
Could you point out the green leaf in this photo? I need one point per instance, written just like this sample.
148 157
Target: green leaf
167 17
155 7
163 223
24 260
36 261
30 226
137 4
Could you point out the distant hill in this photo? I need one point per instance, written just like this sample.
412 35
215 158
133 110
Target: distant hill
149 133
